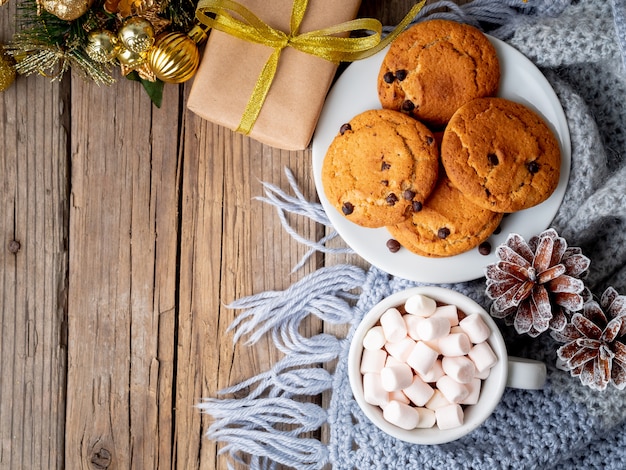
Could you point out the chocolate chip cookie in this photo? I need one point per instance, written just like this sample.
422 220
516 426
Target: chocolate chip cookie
447 225
434 67
380 167
501 155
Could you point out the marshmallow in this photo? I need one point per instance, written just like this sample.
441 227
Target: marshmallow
374 338
434 373
454 391
399 395
373 360
373 391
482 375
402 415
449 312
393 325
427 418
422 357
405 374
456 344
434 345
483 356
412 325
475 328
419 392
391 361
460 368
420 305
449 417
401 349
434 328
474 392
437 401
396 377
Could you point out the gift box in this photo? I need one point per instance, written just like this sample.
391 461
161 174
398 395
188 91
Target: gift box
230 68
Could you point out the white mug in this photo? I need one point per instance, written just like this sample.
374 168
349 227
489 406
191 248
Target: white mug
508 371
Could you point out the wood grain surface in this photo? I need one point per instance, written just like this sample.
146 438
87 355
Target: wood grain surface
126 230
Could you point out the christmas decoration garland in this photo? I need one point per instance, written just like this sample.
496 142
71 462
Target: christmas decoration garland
151 41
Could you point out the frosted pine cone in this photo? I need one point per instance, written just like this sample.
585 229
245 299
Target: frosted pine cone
536 285
595 349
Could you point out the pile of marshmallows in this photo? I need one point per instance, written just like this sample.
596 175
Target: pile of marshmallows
421 366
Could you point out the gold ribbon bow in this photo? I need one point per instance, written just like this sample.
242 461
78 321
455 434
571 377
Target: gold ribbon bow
322 43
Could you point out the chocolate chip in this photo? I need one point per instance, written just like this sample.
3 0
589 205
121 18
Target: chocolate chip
533 167
498 230
484 248
344 128
417 206
389 77
401 75
385 182
347 208
429 140
385 166
407 106
443 232
393 245
493 159
392 199
408 195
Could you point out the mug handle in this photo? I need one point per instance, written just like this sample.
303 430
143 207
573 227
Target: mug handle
526 374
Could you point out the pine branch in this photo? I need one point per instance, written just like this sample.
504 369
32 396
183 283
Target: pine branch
181 13
50 46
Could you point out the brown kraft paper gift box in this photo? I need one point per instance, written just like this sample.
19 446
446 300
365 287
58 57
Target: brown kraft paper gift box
231 66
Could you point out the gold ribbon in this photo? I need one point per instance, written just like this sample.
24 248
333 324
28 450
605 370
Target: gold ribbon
221 15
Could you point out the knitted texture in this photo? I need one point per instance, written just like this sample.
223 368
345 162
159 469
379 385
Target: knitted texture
579 46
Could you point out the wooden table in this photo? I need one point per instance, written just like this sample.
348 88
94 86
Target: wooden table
125 230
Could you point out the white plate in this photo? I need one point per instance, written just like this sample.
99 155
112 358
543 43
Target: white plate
356 91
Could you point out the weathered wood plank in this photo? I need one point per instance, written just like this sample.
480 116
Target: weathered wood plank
121 316
33 268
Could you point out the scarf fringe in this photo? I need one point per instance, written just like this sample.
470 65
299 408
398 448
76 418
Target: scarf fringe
299 205
325 293
268 423
248 426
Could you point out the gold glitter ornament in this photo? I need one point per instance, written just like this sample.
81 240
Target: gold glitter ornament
137 34
102 45
130 60
7 70
174 58
67 10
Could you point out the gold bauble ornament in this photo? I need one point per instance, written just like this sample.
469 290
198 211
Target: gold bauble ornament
129 59
7 70
174 58
102 45
67 10
136 34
